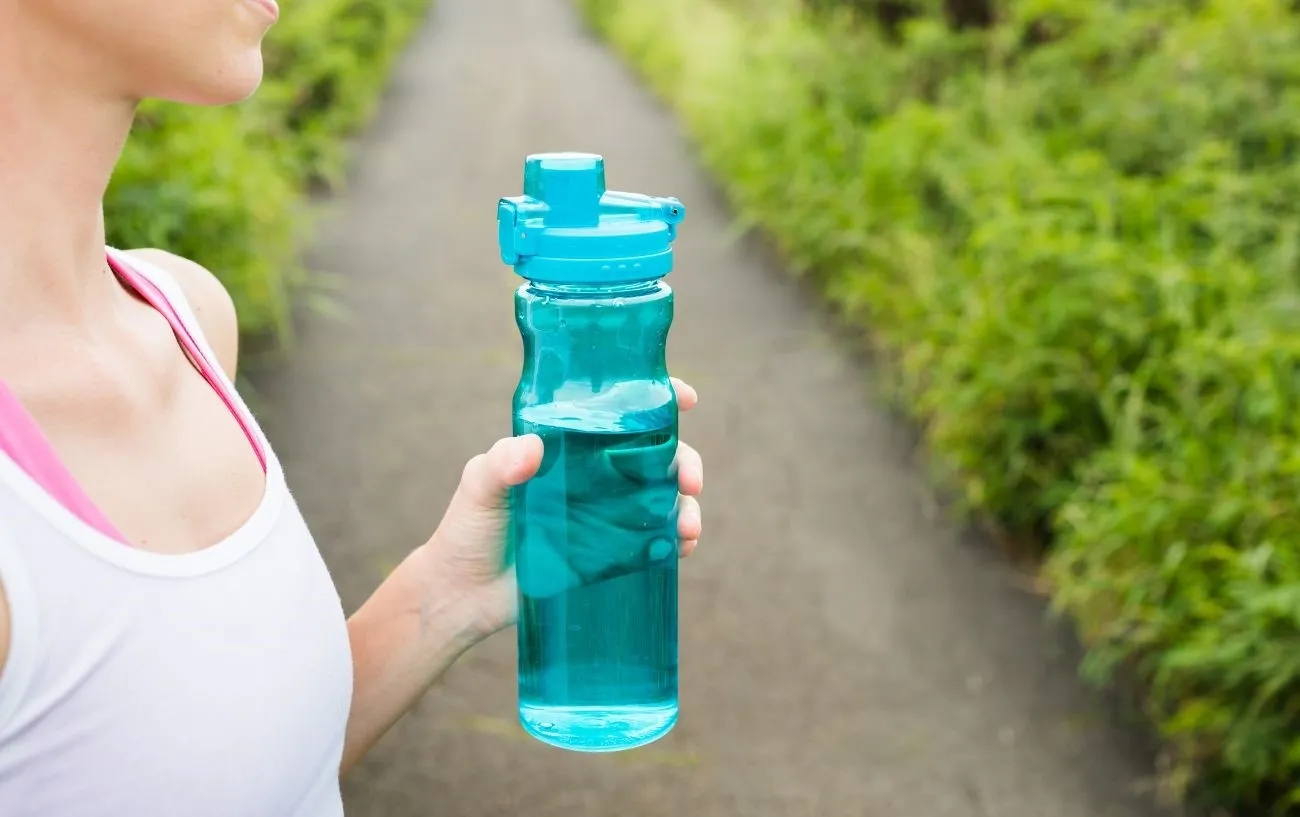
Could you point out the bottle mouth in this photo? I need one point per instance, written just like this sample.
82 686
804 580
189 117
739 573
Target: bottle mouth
628 289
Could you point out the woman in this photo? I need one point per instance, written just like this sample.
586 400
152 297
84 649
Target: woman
170 641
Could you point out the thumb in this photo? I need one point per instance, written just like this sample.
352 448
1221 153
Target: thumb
487 477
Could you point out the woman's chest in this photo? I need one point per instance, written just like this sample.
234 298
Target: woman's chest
172 470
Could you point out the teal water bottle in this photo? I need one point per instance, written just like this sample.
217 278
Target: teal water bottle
594 534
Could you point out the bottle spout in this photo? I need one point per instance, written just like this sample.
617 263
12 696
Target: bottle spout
644 208
673 211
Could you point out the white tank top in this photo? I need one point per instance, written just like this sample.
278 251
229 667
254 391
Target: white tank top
209 684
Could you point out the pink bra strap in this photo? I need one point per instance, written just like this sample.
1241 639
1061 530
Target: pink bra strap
155 297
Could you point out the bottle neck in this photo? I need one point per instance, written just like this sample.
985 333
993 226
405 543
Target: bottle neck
585 339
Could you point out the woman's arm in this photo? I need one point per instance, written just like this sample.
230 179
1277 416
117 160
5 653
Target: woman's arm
403 638
449 594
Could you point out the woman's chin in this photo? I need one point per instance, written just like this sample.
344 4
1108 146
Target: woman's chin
232 84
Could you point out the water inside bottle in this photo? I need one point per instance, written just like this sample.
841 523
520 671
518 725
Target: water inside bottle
595 539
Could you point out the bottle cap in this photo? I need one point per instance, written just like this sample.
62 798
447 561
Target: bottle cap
567 228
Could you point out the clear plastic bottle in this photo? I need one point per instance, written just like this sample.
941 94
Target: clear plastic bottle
594 534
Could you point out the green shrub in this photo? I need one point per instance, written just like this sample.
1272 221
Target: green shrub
1075 233
225 186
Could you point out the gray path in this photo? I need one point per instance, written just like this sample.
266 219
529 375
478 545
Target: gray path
844 651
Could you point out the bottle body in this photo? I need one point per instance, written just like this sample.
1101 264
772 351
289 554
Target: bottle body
594 533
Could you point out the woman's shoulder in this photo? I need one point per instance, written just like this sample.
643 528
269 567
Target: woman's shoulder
207 298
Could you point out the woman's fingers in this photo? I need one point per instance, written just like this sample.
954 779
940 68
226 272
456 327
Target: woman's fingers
488 476
690 478
690 470
689 525
687 397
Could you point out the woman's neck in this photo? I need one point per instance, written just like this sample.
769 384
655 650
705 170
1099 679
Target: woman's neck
61 133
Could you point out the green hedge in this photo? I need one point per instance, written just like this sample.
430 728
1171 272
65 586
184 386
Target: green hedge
225 186
1075 234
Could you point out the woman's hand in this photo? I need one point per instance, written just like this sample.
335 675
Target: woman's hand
467 552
